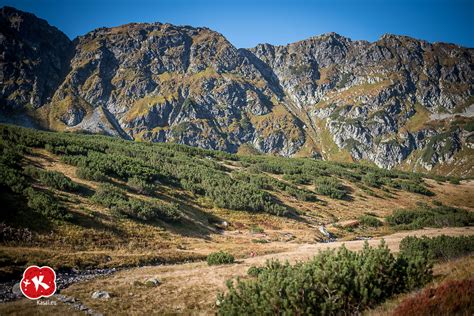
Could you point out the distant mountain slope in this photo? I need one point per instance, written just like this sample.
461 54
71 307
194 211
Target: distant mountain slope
397 102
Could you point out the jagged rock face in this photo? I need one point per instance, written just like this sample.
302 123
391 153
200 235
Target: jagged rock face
34 58
377 99
394 102
165 83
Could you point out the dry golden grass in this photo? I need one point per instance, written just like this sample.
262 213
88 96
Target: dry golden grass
27 307
460 195
418 121
98 239
191 288
351 95
329 149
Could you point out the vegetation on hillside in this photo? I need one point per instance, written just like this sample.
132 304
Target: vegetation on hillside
220 257
333 282
369 221
144 167
438 248
452 297
119 203
117 194
427 216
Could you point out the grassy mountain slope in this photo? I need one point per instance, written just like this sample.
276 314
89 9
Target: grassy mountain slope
85 201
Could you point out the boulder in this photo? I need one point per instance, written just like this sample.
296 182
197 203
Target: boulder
152 282
104 295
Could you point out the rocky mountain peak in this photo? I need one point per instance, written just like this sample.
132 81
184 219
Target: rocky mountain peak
387 102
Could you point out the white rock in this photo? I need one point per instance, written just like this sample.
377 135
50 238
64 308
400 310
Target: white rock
101 295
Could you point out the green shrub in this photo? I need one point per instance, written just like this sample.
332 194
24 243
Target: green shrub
11 176
169 212
297 178
440 247
372 180
220 257
254 271
109 195
44 204
118 202
256 229
260 241
89 174
234 195
369 191
454 180
332 283
425 216
413 187
301 195
140 186
12 179
57 180
53 179
369 221
330 187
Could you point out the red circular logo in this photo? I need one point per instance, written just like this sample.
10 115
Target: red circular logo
38 282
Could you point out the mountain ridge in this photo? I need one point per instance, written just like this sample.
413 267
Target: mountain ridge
326 96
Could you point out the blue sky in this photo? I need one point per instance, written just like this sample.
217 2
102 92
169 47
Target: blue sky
246 23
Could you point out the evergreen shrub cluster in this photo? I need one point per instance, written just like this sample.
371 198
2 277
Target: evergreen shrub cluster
440 247
426 216
53 179
220 257
333 282
119 203
369 221
12 179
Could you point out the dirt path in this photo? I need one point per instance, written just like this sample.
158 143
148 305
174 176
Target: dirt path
192 288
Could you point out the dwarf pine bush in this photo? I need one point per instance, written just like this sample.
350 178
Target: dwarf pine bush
333 282
45 204
440 247
330 187
53 179
369 221
140 186
412 186
426 216
121 205
254 271
220 257
90 174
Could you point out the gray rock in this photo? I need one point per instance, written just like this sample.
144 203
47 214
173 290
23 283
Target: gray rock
104 295
16 289
152 282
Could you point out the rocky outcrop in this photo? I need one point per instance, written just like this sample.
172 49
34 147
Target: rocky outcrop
391 102
378 99
167 83
34 58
